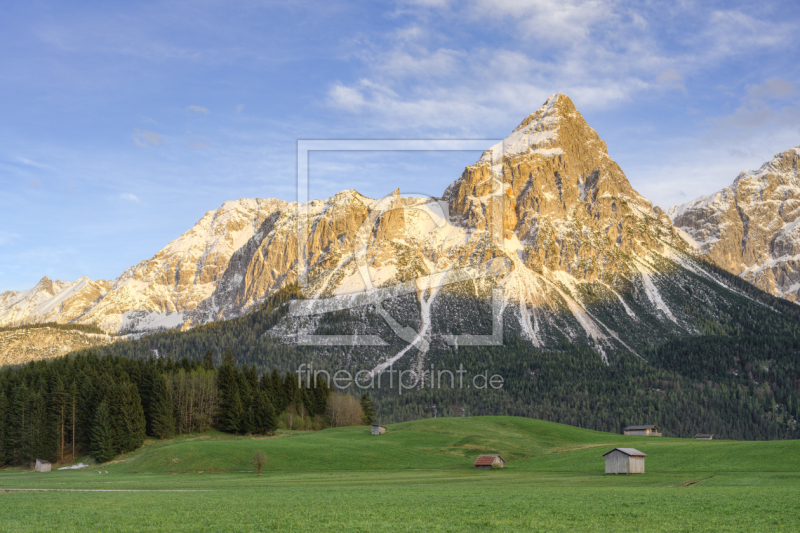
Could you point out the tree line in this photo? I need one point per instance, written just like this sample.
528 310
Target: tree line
108 405
85 328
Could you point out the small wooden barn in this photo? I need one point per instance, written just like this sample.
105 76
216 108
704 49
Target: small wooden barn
624 461
42 465
378 430
704 436
490 461
648 430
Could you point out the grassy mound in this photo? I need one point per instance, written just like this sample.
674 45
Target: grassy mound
454 443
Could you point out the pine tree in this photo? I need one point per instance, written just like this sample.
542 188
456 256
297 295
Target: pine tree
73 413
231 408
278 398
234 418
265 423
368 409
208 360
163 420
102 435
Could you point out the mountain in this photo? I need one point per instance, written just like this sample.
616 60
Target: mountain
543 237
155 293
50 301
540 264
752 227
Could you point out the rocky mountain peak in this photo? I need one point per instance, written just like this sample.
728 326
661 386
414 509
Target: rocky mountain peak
752 227
560 195
45 285
782 165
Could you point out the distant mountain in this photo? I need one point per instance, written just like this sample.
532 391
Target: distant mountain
51 301
752 227
157 292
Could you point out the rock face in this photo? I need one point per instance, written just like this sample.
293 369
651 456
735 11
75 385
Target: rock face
752 228
158 291
562 196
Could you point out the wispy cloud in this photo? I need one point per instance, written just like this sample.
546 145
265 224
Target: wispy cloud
671 79
600 52
774 88
198 109
29 162
146 138
130 197
6 237
239 108
772 107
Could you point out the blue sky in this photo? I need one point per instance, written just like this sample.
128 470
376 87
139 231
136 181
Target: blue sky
122 123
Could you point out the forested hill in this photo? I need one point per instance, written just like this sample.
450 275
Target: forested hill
739 377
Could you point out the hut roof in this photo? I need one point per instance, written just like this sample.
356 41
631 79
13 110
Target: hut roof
486 460
633 452
649 426
42 461
704 435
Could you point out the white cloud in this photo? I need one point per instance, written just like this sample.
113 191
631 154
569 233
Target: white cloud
599 52
146 138
130 197
732 31
198 109
347 98
239 108
31 163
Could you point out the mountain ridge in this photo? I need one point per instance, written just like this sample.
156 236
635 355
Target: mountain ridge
546 217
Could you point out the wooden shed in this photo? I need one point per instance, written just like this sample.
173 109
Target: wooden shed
42 465
490 461
648 430
378 430
704 436
624 461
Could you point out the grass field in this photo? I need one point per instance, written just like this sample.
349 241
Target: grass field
418 476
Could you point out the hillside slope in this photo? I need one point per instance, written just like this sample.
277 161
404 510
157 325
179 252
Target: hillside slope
23 345
453 444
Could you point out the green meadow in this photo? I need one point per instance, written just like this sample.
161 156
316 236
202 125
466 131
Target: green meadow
417 477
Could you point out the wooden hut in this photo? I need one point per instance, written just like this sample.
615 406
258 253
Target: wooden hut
490 461
624 461
704 436
648 430
378 430
42 465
